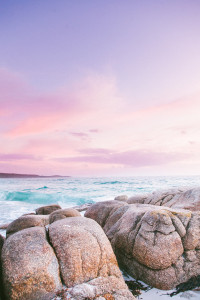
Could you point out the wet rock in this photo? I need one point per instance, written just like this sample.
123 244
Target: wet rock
62 214
26 222
30 267
156 244
191 284
83 250
47 210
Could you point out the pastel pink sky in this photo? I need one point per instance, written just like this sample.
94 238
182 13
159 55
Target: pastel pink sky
69 106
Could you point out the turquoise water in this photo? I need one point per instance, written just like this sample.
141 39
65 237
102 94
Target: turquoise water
18 196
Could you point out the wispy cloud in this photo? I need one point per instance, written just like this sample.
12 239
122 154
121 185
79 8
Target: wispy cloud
16 157
89 123
81 135
135 158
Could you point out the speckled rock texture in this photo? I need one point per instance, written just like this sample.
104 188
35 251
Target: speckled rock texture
63 213
176 198
83 250
74 251
101 288
159 245
2 239
30 267
47 210
26 222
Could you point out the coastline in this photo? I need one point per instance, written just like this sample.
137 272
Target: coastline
146 295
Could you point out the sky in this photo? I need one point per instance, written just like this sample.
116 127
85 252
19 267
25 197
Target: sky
100 88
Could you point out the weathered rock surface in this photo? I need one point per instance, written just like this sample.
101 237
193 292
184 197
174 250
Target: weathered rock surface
2 239
26 222
30 267
4 226
121 198
105 210
62 214
101 288
177 198
82 207
159 245
47 210
83 250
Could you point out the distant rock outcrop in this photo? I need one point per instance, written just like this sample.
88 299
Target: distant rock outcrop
177 198
157 244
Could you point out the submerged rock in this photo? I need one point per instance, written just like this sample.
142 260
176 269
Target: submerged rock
47 210
26 222
30 267
158 245
62 214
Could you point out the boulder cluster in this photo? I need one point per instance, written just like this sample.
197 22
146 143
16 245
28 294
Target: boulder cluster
58 249
55 251
156 237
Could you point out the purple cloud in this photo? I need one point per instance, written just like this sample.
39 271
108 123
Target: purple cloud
81 135
135 158
15 156
95 151
94 130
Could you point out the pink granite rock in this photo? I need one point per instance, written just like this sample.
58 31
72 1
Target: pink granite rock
30 267
26 222
62 214
157 244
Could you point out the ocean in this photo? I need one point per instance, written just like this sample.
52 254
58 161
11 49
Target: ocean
19 196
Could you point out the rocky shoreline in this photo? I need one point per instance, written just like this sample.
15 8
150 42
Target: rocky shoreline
55 251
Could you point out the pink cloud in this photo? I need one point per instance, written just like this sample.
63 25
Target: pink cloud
30 112
94 130
81 135
88 124
16 156
135 158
